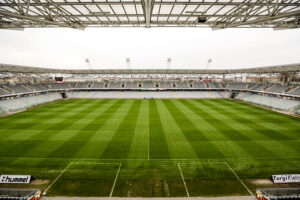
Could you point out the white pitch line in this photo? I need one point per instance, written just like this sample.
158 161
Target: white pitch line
58 177
196 162
148 134
95 163
235 174
141 159
113 187
187 192
148 143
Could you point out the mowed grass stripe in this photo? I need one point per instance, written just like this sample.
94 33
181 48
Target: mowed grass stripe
252 122
230 130
36 111
120 143
41 144
268 114
210 132
97 144
200 143
73 145
32 121
53 139
282 127
178 145
158 147
260 133
254 109
10 147
140 140
239 128
37 123
229 148
266 127
146 178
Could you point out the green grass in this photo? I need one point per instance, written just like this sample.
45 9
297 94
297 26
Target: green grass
137 147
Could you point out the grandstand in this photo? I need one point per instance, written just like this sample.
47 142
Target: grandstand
163 133
283 96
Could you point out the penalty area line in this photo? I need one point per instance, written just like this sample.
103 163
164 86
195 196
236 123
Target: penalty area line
187 192
117 174
58 177
113 187
240 180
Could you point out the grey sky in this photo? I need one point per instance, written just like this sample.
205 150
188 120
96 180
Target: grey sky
149 48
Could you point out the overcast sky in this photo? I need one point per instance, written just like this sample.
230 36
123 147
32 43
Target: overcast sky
149 48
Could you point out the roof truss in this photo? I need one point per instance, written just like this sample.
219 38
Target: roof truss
289 68
79 14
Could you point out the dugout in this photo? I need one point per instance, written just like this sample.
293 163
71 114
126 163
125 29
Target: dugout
19 194
278 193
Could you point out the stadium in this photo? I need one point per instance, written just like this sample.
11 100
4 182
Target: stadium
150 133
219 120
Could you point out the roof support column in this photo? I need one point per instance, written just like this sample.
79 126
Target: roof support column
147 8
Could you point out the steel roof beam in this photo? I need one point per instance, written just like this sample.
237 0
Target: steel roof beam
230 14
262 19
153 15
139 3
27 17
282 25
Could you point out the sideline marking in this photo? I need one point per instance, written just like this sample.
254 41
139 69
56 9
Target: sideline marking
113 187
187 192
58 177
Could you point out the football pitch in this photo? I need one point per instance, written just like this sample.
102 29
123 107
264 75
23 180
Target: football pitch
149 148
